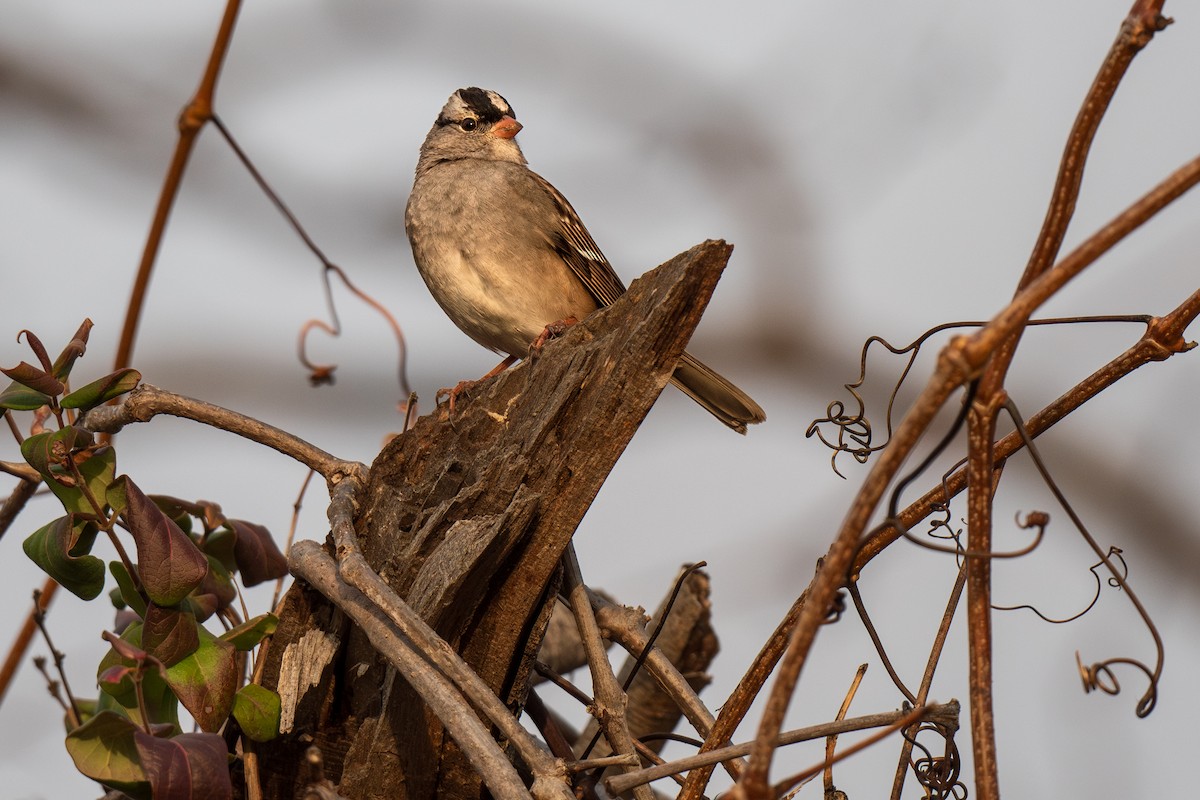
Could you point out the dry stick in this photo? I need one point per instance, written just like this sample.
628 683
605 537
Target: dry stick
945 714
147 402
831 740
913 716
623 626
609 707
1139 27
427 644
311 563
935 655
193 118
21 494
960 361
291 535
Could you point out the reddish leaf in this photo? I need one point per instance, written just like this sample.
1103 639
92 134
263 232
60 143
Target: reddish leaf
39 380
169 635
162 707
215 592
169 563
258 558
39 349
125 648
191 766
74 349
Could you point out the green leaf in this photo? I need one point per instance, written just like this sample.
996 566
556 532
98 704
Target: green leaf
51 547
257 711
169 563
48 453
251 632
206 681
191 766
22 398
103 749
220 545
258 558
129 592
117 689
169 634
101 391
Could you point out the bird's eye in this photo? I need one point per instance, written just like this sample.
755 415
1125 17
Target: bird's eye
469 124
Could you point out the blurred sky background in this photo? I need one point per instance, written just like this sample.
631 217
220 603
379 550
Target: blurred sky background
881 168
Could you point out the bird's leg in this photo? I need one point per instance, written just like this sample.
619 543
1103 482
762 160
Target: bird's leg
551 331
465 386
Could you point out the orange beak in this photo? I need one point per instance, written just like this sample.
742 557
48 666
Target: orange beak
506 128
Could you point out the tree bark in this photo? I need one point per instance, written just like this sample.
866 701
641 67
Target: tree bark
466 519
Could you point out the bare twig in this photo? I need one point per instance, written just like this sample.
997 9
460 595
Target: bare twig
935 655
911 717
291 535
146 402
623 626
609 708
20 645
191 121
946 714
831 740
39 618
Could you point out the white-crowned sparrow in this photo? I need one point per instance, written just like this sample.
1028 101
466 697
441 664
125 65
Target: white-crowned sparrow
505 255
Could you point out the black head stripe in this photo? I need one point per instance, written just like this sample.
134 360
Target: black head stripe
480 103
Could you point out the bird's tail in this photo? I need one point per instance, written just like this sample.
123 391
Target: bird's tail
721 398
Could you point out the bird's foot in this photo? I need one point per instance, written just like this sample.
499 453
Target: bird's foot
465 387
551 331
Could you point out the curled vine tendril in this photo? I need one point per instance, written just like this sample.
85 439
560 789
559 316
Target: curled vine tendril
1100 675
854 431
1115 554
940 775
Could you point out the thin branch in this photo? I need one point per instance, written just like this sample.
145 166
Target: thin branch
831 740
191 121
21 494
935 655
609 708
1144 20
39 618
913 716
946 714
146 402
20 645
618 624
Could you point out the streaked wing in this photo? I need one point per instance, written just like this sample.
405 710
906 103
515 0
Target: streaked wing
580 251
